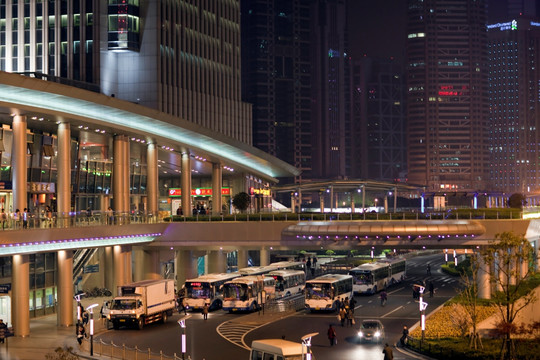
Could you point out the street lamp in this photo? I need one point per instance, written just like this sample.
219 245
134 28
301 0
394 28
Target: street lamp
78 299
91 309
422 307
182 323
306 343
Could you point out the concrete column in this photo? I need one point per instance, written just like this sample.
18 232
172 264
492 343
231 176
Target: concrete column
186 267
331 199
152 180
352 203
363 198
186 184
108 269
386 204
216 188
65 287
293 202
242 258
20 294
63 190
217 261
121 177
147 264
18 163
321 201
484 290
122 265
264 255
395 199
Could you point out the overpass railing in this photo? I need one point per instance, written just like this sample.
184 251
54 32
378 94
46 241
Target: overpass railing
99 218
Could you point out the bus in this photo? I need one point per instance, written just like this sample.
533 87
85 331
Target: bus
207 289
278 349
370 278
324 292
288 282
255 270
292 265
245 293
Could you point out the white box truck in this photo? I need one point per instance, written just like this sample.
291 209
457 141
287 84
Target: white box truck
142 302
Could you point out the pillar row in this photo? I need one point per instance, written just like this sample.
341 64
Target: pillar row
217 181
122 265
217 261
484 290
152 182
121 175
63 190
18 162
186 266
264 255
148 266
186 183
242 258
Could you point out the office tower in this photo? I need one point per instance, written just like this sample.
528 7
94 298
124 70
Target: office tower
447 99
514 61
295 75
380 140
180 57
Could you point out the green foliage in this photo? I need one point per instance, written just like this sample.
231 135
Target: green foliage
330 252
241 201
517 201
65 353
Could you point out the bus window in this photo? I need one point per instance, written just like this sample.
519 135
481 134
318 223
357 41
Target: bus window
268 356
256 355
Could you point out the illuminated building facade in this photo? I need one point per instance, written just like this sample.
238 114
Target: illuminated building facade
179 57
514 60
447 98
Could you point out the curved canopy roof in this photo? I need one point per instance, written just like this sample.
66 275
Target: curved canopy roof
33 97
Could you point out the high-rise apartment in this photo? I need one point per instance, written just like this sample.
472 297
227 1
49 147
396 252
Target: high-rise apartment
180 57
296 75
514 60
447 99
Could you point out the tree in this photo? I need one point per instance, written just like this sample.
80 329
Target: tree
517 201
469 294
241 201
509 257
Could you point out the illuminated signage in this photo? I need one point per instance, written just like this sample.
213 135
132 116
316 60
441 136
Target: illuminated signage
449 90
510 25
176 192
41 187
254 191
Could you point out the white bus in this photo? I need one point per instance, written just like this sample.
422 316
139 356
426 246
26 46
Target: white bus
207 289
292 265
370 278
323 292
288 282
255 270
245 293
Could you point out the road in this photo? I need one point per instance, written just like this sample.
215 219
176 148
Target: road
205 342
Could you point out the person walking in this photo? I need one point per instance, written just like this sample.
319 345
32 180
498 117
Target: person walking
384 297
388 352
205 311
352 304
342 315
350 317
428 269
25 218
403 338
3 216
431 289
3 331
332 335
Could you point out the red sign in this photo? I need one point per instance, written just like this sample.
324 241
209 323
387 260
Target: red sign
176 192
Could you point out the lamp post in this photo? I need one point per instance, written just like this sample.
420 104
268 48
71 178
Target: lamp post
422 307
91 309
306 343
182 323
79 315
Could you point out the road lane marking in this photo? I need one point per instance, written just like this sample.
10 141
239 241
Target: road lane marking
388 313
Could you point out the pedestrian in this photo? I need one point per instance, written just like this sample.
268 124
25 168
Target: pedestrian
403 338
350 317
345 303
81 333
182 304
3 215
3 331
431 289
384 297
308 264
314 262
352 304
85 318
342 316
332 335
388 353
17 218
205 311
428 269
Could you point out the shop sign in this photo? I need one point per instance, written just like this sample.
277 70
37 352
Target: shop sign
265 192
91 269
41 187
176 192
5 288
5 185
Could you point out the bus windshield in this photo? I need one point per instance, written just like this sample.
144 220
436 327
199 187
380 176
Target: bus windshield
198 290
235 291
319 291
362 277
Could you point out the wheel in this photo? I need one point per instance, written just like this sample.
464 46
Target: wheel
164 317
253 307
140 323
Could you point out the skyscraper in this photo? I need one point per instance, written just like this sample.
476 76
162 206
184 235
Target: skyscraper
447 99
180 57
514 60
295 73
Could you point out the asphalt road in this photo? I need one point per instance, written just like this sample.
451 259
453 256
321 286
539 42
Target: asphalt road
204 341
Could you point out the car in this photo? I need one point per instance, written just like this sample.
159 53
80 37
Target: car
371 330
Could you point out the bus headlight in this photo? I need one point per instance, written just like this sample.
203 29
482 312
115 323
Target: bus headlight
360 334
377 334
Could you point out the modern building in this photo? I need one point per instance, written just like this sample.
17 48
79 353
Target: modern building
514 48
447 95
296 75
